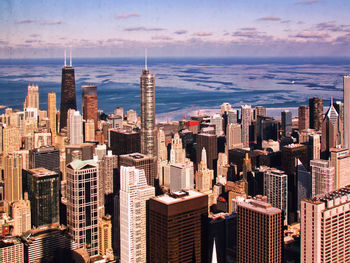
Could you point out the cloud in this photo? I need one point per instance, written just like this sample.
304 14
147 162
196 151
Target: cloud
34 35
50 23
166 38
345 39
300 22
285 21
125 16
248 29
141 28
203 34
331 26
252 35
180 32
308 2
269 18
2 42
27 21
311 35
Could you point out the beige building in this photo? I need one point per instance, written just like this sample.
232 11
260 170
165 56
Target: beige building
323 177
21 216
13 177
105 235
10 139
234 136
340 160
325 224
32 99
204 176
52 111
89 131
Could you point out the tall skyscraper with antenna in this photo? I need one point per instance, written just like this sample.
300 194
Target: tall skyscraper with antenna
148 127
68 96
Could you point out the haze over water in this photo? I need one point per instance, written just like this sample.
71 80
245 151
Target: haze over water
183 85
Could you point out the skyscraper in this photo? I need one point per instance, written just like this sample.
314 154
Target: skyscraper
105 236
134 192
148 106
123 141
181 176
347 112
21 216
68 96
47 157
325 227
246 119
177 225
43 192
89 101
13 177
316 113
323 177
233 136
259 232
303 117
82 196
32 99
209 142
51 100
76 128
286 122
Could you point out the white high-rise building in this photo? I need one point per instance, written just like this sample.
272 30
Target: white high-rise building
325 224
82 203
347 111
177 153
323 177
246 120
217 120
32 99
181 176
232 116
134 192
234 136
21 216
276 189
225 107
76 128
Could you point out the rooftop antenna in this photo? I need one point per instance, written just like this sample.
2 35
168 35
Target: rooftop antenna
65 57
70 57
145 58
331 100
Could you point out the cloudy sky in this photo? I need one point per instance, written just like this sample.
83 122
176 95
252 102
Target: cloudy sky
115 28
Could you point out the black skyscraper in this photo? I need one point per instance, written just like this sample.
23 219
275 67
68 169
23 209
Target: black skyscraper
68 96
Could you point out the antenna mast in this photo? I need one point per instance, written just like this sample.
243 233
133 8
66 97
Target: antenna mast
145 58
70 57
65 57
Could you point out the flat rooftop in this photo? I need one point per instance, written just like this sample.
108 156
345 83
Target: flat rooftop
182 196
323 198
260 207
41 172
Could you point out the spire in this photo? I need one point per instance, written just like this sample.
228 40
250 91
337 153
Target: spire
204 156
214 258
65 57
145 58
70 57
331 100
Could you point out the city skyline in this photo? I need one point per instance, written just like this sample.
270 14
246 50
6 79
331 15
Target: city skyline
216 28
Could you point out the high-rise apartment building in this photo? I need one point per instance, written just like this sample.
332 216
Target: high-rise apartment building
181 176
32 99
141 161
232 116
177 227
68 96
233 136
148 112
259 111
325 224
13 177
43 188
303 117
11 250
52 111
89 101
340 160
246 120
134 192
76 128
10 139
216 119
82 203
316 112
346 111
259 232
105 235
323 177
286 117
21 216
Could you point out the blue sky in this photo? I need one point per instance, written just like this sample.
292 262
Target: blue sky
112 28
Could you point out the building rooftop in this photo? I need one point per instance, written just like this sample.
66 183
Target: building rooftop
135 156
78 164
179 196
260 207
124 131
9 241
41 172
336 197
42 232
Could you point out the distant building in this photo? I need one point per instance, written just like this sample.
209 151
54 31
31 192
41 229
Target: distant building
181 176
316 113
209 142
259 111
76 128
303 117
21 216
47 157
232 116
286 117
176 227
323 177
346 83
89 101
52 111
11 250
246 120
340 160
325 227
13 177
124 142
234 136
89 131
32 99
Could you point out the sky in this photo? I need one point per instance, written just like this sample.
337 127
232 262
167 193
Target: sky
114 28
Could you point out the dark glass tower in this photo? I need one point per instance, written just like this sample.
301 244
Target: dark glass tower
68 96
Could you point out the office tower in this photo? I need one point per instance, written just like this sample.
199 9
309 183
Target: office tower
83 151
148 112
316 112
124 142
52 111
141 161
286 117
100 151
290 155
134 192
162 152
105 235
116 121
204 176
89 101
11 250
13 177
332 132
232 116
21 216
181 176
119 111
233 136
259 232
82 197
49 243
266 129
346 82
209 142
259 111
339 106
225 107
216 119
303 117
32 99
340 160
177 153
10 139
47 157
246 120
89 130
43 188
276 189
177 227
68 97
323 177
76 128
325 227
222 168
315 144
131 116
